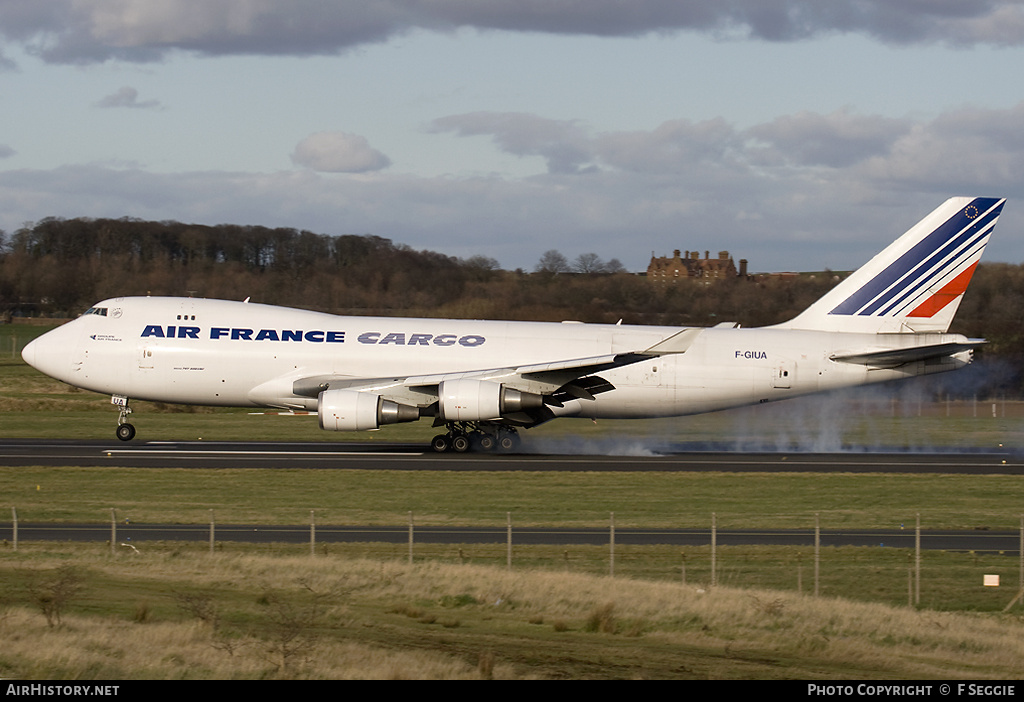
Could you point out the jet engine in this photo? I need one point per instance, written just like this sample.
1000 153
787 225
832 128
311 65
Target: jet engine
471 400
348 410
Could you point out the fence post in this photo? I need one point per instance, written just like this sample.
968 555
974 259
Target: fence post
799 573
1020 566
211 532
817 553
508 538
910 582
410 537
113 531
917 561
611 566
714 549
14 523
312 532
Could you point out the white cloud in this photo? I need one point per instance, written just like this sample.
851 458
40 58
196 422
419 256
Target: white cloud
338 152
563 144
966 148
570 146
838 139
968 151
672 147
127 97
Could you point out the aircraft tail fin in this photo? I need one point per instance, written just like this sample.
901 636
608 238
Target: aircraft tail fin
916 283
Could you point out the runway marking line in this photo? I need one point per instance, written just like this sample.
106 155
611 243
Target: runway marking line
154 452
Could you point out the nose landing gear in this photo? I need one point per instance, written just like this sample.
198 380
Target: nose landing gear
125 430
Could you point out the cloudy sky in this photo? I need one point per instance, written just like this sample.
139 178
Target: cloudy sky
799 134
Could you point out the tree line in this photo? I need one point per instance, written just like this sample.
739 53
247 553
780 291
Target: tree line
60 267
63 264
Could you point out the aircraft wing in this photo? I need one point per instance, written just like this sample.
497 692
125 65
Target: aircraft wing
556 381
542 378
891 358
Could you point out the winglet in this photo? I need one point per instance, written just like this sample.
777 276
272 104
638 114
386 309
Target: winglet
677 343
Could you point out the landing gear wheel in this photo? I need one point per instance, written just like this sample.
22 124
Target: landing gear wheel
486 437
125 432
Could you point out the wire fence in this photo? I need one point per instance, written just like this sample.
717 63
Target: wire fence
913 566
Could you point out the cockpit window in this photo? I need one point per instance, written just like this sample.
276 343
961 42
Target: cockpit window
101 311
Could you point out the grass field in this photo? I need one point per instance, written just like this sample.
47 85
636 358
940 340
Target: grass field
361 611
172 613
578 499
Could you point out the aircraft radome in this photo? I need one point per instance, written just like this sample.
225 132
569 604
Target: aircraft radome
483 381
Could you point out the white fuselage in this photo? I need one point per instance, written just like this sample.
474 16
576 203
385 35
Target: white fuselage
216 352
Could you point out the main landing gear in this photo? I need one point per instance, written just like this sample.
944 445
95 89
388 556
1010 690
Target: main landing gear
125 430
476 436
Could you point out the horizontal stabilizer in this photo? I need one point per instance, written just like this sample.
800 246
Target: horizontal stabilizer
897 357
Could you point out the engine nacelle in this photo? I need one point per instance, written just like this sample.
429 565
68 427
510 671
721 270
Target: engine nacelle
471 400
348 410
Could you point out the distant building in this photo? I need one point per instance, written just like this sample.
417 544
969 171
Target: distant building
690 266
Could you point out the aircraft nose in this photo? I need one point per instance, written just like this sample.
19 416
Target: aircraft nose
50 354
29 352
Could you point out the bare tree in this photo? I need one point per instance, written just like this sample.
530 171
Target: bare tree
53 593
292 629
615 266
199 605
588 263
294 624
552 262
481 267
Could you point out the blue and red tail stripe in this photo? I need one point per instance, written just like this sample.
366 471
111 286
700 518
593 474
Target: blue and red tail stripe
952 245
949 292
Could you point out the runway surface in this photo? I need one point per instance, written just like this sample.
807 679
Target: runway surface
393 456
